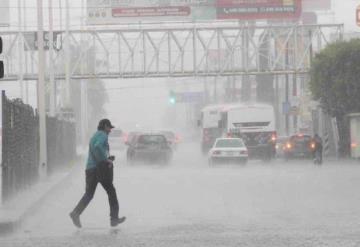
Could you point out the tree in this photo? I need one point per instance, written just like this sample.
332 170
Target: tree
334 82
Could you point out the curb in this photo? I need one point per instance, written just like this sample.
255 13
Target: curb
12 222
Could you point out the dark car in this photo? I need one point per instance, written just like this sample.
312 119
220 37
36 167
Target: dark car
281 146
299 146
171 137
149 148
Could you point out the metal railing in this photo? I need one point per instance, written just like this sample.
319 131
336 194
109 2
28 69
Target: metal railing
20 145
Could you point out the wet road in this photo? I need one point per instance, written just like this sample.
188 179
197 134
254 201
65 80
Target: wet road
190 204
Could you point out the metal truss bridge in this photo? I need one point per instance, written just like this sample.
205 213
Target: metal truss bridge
182 50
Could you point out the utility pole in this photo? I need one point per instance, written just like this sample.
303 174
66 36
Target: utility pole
67 55
215 98
60 15
295 83
26 56
246 87
295 94
51 62
84 88
41 91
21 49
287 127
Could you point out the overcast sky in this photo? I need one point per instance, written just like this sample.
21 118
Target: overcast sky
345 13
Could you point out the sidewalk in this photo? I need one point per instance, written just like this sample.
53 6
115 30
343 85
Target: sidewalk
13 212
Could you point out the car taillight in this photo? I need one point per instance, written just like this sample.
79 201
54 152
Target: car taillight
125 137
217 152
244 152
354 145
312 145
273 137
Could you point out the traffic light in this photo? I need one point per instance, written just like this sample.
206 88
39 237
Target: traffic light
172 98
1 62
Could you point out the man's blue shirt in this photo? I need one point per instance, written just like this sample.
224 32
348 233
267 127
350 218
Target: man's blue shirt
98 149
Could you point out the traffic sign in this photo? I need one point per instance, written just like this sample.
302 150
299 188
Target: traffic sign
358 15
286 106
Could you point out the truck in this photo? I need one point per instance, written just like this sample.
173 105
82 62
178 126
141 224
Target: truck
255 124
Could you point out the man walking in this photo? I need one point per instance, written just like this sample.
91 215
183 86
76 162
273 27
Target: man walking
318 147
99 169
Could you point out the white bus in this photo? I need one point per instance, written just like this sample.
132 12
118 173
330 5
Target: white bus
209 122
255 123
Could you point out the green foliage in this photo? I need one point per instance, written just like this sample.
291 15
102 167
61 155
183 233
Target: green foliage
335 78
335 83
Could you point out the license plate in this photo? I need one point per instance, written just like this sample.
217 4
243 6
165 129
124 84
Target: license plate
230 153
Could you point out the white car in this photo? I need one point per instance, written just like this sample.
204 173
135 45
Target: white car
228 150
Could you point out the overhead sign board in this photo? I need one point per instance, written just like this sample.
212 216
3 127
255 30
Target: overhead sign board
151 12
258 9
309 18
100 12
125 11
316 5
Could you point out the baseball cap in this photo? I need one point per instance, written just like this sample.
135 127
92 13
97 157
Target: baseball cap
105 123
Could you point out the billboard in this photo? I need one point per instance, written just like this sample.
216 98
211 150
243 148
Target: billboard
258 9
318 5
125 11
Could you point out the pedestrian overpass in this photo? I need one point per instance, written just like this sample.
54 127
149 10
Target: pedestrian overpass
171 50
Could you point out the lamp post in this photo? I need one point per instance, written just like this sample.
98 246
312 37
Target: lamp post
41 91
